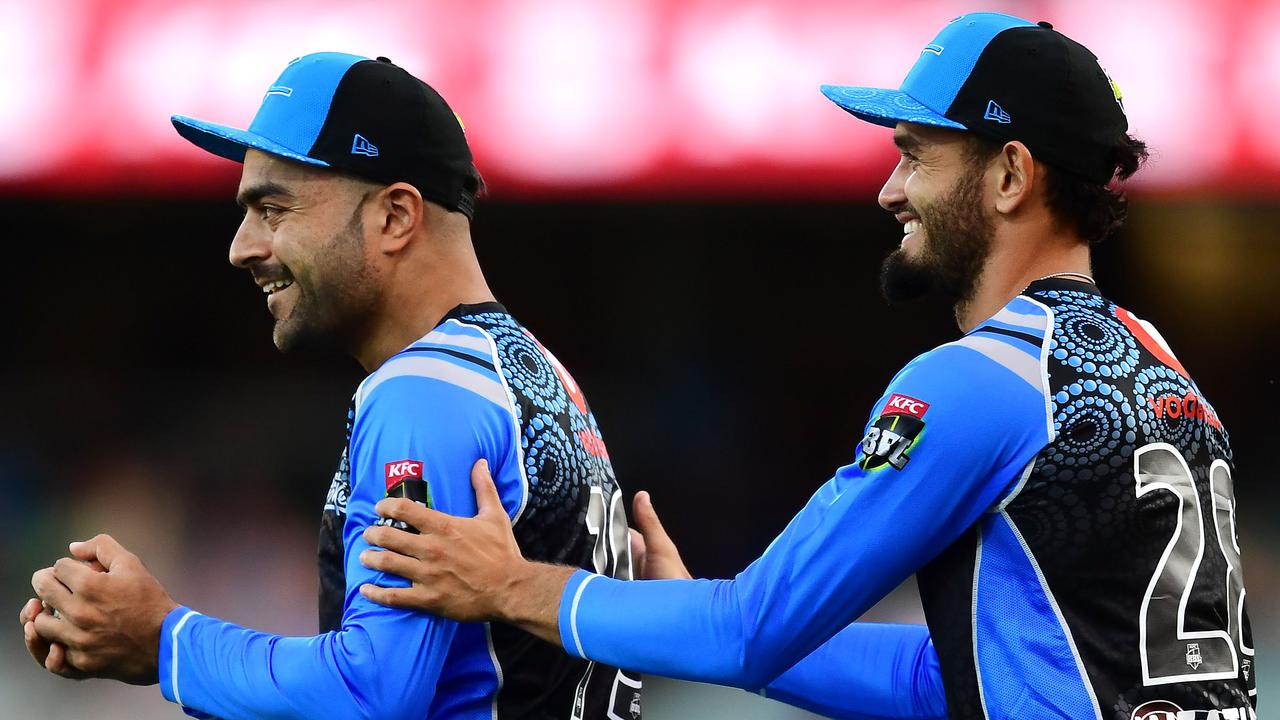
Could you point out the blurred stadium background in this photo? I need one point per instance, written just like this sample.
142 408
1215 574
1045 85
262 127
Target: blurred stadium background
674 209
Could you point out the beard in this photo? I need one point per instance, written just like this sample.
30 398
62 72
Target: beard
334 295
956 245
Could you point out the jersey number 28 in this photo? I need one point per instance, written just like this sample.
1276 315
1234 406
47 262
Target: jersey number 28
1170 652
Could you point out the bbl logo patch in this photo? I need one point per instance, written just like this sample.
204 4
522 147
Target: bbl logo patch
896 430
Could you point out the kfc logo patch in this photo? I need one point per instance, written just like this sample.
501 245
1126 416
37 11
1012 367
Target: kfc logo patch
905 405
401 470
405 480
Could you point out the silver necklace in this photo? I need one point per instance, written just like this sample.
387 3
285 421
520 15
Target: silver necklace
1070 276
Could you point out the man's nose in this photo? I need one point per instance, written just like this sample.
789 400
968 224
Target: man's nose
894 194
250 244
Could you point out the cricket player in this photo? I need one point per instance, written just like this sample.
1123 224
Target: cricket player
359 188
1055 478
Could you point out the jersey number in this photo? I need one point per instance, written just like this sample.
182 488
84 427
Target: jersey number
1170 652
611 555
608 523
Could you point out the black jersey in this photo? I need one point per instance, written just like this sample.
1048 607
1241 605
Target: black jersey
1127 518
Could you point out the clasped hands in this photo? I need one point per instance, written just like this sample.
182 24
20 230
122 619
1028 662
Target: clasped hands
97 613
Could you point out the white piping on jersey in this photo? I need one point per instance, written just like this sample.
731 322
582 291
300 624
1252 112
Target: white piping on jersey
973 626
497 669
573 615
1017 361
1046 334
1057 613
510 404
173 665
1022 482
1049 317
436 369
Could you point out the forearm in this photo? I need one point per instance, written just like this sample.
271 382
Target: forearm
829 565
882 672
233 672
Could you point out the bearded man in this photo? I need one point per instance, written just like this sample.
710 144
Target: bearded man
1054 477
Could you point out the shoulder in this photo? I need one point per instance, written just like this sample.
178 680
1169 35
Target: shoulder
455 364
997 371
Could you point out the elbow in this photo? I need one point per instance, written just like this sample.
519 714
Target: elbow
757 665
370 691
929 698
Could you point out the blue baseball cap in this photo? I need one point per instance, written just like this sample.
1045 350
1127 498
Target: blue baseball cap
362 116
1006 78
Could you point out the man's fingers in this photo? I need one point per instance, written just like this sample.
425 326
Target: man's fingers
84 551
392 597
37 646
662 557
55 630
424 519
50 590
389 562
29 611
638 551
487 500
74 574
102 548
647 520
59 663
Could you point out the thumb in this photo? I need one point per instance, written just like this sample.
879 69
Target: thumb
102 549
83 551
487 500
647 521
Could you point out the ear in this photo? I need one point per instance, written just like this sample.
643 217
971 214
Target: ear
397 213
1015 173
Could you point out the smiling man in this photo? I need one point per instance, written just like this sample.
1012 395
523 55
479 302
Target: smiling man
358 188
1054 477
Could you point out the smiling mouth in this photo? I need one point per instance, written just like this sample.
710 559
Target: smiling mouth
272 288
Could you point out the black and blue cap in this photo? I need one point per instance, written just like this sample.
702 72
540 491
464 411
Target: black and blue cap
1005 78
357 115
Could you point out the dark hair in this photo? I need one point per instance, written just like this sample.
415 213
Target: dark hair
475 181
1095 211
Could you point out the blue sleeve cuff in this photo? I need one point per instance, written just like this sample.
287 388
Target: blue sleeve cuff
170 631
569 601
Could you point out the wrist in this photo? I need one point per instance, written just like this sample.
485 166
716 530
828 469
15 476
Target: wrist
516 603
532 599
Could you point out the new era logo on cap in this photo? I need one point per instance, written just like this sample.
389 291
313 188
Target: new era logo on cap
996 113
360 145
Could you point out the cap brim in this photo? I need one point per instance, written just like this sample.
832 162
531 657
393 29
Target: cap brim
885 107
231 143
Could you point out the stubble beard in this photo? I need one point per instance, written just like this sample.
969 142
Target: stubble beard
333 295
956 245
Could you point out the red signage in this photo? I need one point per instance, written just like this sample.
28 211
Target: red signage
580 98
